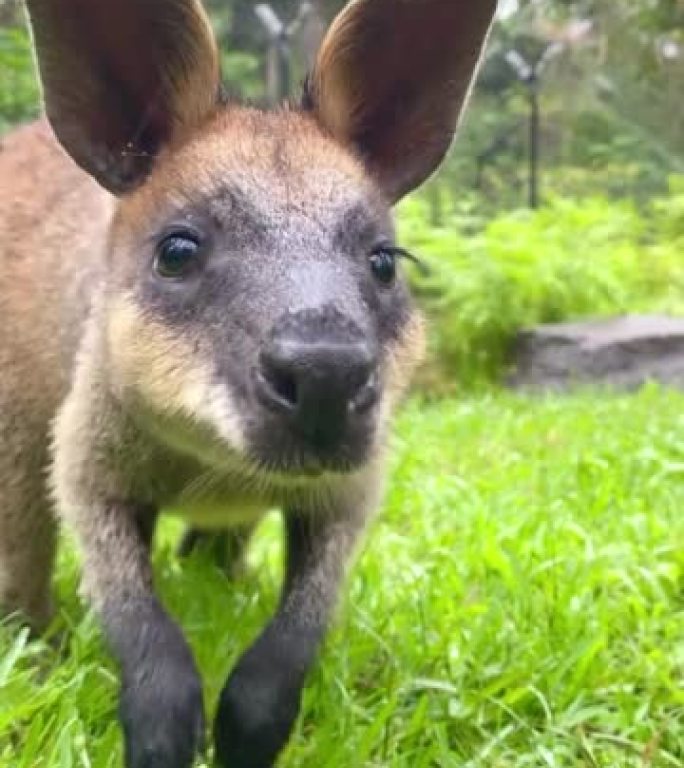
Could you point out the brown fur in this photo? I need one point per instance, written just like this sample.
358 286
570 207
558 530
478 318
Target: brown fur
52 218
117 403
165 369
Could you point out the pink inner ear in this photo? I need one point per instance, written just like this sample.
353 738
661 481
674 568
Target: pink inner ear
130 72
121 77
130 76
392 77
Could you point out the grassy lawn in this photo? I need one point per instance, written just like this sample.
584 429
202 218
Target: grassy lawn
519 602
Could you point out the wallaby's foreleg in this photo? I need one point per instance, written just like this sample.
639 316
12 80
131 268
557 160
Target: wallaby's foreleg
161 706
261 700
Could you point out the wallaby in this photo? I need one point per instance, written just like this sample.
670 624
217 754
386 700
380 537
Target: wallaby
201 310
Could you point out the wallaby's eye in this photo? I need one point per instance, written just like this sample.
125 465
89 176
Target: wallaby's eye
383 264
176 254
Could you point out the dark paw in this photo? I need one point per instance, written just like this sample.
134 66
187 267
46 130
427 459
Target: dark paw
163 719
256 713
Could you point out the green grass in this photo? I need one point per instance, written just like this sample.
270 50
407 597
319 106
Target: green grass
519 602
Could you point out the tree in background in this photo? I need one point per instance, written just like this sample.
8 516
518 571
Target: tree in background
611 99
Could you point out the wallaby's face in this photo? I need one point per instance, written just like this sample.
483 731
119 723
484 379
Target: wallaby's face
254 298
253 309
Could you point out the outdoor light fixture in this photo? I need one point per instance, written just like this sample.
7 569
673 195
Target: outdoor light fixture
279 36
267 16
529 75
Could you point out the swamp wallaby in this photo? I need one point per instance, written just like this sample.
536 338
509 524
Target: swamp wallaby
201 309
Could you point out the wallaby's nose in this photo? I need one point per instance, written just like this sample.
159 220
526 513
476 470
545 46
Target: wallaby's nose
319 374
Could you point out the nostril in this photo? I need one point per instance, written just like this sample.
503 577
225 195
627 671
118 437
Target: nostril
276 386
284 385
321 386
366 396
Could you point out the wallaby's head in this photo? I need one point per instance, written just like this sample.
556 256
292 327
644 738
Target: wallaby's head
254 306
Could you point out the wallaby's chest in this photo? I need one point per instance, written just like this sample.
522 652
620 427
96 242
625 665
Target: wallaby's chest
212 502
206 497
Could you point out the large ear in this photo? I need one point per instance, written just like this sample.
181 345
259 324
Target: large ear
121 77
391 79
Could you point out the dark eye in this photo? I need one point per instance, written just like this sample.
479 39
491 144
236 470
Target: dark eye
176 255
383 263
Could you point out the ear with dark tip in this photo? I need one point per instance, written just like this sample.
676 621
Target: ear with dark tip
391 79
122 78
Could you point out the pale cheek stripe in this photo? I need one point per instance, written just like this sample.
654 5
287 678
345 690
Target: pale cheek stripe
218 410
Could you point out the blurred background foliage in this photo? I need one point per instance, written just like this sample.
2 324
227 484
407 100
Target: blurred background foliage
609 234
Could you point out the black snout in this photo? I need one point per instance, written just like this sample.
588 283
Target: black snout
319 375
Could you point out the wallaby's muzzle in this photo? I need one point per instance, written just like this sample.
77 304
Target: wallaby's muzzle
318 381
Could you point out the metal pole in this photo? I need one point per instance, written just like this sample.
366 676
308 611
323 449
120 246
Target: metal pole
533 86
272 74
277 50
285 68
530 76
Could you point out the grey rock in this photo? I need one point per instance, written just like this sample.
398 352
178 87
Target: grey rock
620 352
